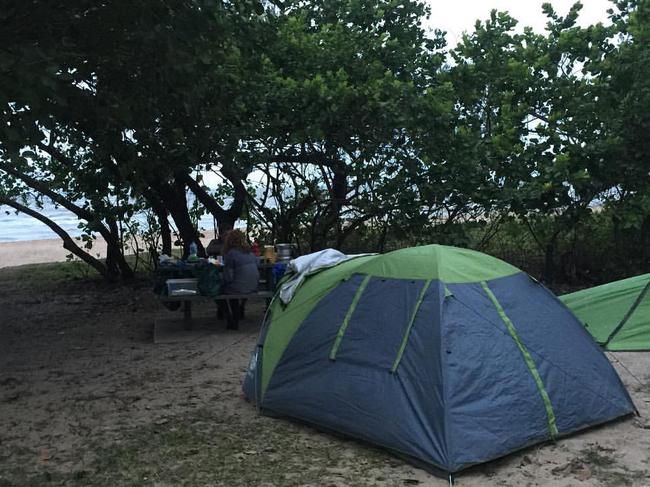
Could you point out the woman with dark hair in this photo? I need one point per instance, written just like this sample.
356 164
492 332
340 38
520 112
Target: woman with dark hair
240 275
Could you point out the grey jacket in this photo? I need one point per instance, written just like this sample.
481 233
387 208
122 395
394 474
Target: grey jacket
240 273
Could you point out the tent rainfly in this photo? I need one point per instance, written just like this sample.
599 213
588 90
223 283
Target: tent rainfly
616 314
445 356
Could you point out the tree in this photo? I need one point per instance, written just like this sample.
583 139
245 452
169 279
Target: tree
625 103
533 108
347 80
129 103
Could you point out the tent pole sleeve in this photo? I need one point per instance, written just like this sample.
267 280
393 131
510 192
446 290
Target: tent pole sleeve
348 316
530 363
628 315
407 332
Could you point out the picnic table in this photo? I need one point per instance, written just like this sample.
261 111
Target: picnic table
191 273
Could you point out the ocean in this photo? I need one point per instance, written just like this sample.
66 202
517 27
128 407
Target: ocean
15 227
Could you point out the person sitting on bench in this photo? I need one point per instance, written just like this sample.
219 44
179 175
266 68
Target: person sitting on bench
240 275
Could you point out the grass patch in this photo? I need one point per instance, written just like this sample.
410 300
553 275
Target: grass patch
214 449
598 456
44 276
228 451
39 276
605 467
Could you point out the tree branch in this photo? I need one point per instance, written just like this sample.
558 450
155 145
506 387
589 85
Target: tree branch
45 190
68 243
203 196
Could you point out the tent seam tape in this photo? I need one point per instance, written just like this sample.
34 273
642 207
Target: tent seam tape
316 298
449 447
407 332
530 363
542 357
628 315
348 316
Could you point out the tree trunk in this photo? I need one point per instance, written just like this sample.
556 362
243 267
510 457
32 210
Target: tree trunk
68 243
162 215
172 198
549 262
329 227
165 233
225 218
115 261
115 250
339 197
284 230
225 224
176 202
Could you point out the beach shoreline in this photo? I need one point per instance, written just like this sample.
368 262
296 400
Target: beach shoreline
43 251
40 251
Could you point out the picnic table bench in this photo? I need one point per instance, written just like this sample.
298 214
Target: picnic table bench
266 292
187 301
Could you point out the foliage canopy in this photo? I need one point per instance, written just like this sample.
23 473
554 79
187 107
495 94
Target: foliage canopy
326 123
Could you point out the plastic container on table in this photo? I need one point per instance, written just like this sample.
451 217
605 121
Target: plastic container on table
183 287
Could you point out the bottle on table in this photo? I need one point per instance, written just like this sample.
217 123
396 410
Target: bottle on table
194 250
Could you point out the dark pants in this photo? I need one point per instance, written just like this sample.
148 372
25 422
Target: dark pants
232 310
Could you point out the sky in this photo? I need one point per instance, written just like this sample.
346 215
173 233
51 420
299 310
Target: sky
457 16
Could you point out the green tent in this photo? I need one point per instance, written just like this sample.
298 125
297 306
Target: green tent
616 314
445 356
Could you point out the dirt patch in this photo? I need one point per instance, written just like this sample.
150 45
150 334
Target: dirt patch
87 398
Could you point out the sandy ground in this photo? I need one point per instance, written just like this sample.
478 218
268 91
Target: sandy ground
38 251
48 250
87 398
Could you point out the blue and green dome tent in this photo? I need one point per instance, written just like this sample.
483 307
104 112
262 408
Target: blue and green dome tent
445 356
